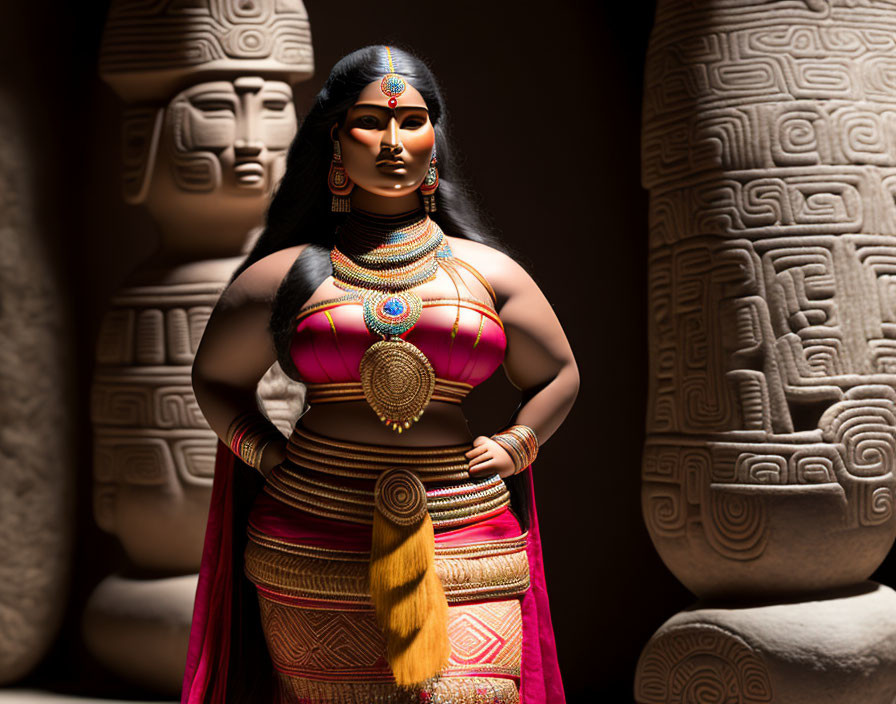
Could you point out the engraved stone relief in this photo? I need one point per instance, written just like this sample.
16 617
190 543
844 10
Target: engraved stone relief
149 45
835 648
769 151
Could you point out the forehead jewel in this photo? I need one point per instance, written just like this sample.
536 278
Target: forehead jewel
392 84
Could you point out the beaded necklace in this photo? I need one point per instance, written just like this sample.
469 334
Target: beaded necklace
373 247
381 260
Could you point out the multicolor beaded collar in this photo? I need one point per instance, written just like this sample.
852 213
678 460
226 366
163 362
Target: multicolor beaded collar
386 254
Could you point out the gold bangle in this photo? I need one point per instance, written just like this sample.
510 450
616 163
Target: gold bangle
248 436
521 444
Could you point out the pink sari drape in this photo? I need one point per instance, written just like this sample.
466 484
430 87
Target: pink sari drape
207 653
214 622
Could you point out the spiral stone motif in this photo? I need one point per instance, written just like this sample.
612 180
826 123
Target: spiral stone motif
397 380
701 663
400 496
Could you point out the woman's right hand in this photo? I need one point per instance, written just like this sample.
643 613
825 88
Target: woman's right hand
487 457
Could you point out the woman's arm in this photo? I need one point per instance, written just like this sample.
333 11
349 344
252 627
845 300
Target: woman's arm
539 360
237 349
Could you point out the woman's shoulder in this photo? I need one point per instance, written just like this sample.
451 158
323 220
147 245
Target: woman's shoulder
486 259
260 280
501 270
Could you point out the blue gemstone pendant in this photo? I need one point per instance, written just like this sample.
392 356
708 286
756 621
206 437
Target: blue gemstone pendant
392 313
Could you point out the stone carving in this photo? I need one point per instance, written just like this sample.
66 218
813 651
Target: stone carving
772 314
836 648
768 149
202 151
149 46
702 662
37 446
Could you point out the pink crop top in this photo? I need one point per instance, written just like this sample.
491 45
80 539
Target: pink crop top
330 338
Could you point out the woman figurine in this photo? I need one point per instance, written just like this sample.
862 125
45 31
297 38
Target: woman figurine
377 552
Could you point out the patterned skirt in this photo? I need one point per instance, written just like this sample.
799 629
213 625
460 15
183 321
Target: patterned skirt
309 553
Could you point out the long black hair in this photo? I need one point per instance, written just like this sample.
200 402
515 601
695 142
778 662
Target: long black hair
300 209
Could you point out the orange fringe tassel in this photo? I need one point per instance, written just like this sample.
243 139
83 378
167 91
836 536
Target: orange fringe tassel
408 598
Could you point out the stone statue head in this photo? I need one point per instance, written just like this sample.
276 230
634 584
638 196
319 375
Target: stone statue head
209 113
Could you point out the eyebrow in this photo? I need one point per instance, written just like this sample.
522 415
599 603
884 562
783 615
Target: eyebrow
385 108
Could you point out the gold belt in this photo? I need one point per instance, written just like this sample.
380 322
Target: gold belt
445 390
302 481
448 507
359 461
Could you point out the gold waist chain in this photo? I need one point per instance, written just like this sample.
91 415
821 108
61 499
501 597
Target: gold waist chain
310 480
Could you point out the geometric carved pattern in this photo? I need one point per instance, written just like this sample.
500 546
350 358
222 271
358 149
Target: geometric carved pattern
769 149
148 428
171 39
173 318
701 663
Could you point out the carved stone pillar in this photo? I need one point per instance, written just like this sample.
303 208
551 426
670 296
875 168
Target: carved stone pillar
208 120
769 149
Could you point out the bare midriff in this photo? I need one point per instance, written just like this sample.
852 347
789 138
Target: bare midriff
441 424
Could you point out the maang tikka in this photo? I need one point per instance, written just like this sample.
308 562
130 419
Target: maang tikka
339 183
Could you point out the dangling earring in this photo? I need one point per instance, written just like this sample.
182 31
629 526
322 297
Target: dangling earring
429 186
339 183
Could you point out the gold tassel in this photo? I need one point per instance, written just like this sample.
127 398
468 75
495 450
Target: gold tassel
408 598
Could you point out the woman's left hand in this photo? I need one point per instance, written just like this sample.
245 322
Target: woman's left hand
487 457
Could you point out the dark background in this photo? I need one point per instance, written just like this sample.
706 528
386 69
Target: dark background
545 109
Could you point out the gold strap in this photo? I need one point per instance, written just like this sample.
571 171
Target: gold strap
482 279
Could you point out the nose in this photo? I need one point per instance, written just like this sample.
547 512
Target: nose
248 142
244 147
391 139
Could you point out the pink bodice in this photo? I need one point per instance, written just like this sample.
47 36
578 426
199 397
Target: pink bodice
463 339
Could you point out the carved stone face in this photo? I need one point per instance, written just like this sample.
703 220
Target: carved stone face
205 165
230 136
387 151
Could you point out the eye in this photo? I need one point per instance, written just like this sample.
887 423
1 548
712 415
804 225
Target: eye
413 123
275 104
213 105
367 122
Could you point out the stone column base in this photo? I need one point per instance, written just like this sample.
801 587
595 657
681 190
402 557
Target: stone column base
840 649
139 629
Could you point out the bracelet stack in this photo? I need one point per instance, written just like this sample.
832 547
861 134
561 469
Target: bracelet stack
521 444
248 436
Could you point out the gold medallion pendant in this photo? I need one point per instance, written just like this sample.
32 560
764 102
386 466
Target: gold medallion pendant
397 380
